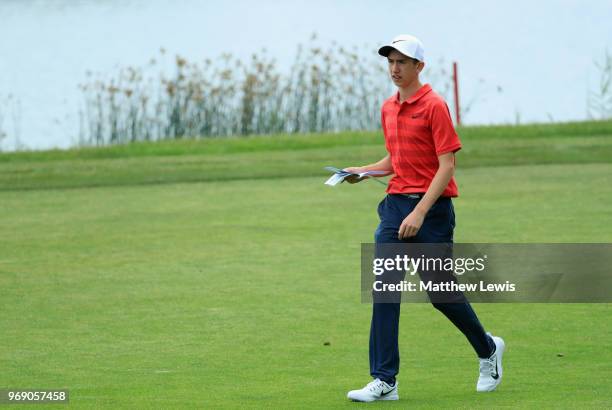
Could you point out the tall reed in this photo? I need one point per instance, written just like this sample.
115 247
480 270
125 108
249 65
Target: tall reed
599 100
10 114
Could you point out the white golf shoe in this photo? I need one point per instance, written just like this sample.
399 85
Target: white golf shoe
491 368
375 390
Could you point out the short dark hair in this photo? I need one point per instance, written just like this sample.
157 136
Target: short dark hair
414 61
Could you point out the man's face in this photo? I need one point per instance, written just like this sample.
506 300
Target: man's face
403 70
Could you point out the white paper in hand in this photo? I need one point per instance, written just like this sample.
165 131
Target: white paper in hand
334 180
340 175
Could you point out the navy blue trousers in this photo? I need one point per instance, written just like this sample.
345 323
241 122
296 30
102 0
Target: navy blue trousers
437 227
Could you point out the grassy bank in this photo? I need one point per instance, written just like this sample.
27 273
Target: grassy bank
289 156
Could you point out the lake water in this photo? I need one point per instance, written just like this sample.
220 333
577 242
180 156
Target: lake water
519 60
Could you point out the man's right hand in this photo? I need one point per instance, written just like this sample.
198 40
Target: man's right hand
353 179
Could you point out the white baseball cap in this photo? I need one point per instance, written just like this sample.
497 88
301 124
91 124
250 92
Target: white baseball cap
407 45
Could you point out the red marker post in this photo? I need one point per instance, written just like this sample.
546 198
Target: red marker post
456 88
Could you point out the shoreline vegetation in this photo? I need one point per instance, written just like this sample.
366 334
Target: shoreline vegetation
173 98
327 88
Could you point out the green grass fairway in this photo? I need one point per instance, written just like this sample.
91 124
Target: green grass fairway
221 294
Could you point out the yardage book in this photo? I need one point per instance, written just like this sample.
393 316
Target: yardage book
340 175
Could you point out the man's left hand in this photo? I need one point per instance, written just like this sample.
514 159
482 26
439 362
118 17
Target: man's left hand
411 224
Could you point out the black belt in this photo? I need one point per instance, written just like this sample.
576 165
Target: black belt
420 195
414 196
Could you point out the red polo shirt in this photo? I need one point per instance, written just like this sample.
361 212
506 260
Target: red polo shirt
416 132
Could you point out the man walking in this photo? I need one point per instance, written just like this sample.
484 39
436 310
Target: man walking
421 143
